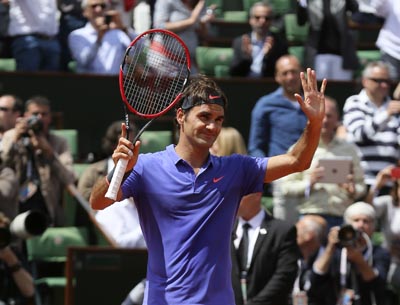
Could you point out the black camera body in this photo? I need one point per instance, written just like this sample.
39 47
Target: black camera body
35 124
348 236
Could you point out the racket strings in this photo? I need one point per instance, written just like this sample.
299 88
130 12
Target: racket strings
155 71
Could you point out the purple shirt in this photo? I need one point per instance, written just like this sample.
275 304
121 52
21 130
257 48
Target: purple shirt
187 222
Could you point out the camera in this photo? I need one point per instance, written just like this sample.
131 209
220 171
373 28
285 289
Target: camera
25 225
348 236
107 19
35 124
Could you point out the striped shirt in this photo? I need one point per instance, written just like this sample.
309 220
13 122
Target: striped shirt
375 132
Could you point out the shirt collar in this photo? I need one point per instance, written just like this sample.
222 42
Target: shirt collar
255 222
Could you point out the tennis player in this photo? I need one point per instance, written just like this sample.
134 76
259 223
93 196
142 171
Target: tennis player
187 199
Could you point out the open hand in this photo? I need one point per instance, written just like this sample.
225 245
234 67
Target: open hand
313 104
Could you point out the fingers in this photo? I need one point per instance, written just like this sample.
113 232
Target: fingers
123 130
311 79
323 86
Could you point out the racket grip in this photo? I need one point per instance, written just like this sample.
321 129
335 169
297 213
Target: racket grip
116 180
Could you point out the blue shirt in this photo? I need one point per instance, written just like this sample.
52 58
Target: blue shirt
187 222
103 58
276 124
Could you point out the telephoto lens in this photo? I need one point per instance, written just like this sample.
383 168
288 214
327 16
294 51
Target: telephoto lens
348 235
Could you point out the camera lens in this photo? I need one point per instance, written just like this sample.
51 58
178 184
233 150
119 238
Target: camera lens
347 235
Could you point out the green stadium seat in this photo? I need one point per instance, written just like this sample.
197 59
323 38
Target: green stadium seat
282 7
297 51
7 64
365 57
209 58
71 135
47 256
236 16
218 11
295 34
247 4
157 140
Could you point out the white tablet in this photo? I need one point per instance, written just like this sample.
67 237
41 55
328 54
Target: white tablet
336 169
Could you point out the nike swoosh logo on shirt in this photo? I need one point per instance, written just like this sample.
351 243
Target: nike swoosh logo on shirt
215 180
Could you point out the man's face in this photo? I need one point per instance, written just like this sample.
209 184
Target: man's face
331 119
363 223
8 116
202 124
94 9
260 20
42 112
377 83
288 75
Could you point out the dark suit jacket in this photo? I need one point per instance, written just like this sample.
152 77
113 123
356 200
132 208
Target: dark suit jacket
240 65
273 267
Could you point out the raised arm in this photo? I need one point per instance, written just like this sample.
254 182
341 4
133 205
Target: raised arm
124 150
299 158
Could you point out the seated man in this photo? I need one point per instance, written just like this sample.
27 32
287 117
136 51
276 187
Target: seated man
255 53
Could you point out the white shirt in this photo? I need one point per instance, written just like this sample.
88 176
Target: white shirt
121 221
254 230
104 58
389 38
33 16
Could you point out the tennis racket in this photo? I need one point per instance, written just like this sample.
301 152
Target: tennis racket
153 74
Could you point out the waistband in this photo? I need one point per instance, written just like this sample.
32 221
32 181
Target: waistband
37 35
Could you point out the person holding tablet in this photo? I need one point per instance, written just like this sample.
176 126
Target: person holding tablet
307 190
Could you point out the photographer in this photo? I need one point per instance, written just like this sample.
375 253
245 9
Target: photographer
358 269
42 161
16 283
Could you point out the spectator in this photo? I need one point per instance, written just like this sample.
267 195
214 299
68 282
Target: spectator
71 18
8 192
142 16
99 47
276 119
42 161
387 209
328 200
16 283
255 53
229 142
311 235
11 108
389 38
396 92
372 122
120 221
125 10
357 268
269 265
33 29
186 18
366 14
187 199
271 256
330 47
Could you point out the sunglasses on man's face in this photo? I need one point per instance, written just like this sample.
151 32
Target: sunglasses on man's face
381 80
266 18
102 5
5 109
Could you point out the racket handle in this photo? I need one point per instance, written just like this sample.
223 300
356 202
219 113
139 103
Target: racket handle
116 180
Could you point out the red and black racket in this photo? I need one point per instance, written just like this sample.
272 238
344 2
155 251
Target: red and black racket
153 74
